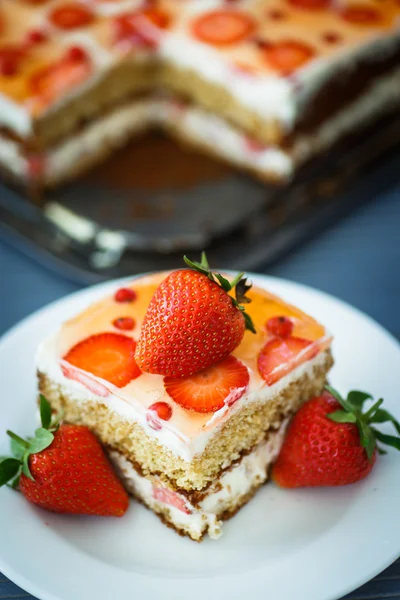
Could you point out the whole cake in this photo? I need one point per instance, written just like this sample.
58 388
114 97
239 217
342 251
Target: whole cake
263 84
190 406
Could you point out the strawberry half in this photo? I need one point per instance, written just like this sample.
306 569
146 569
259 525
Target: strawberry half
287 56
192 322
332 442
361 15
223 27
64 469
71 15
281 355
211 389
110 356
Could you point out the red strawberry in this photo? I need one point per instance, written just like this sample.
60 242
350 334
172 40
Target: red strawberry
330 442
52 81
35 36
167 496
311 4
361 15
192 322
124 323
110 356
281 355
157 411
223 27
125 295
287 56
71 15
280 326
10 59
211 389
64 470
138 27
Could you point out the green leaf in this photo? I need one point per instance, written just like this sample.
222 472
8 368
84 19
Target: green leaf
17 450
196 266
25 467
42 440
381 451
389 440
241 289
8 470
367 438
341 416
237 279
346 405
357 398
204 261
45 412
224 282
367 416
17 439
249 323
383 416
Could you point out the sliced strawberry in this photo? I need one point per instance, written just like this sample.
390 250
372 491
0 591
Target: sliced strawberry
223 27
281 355
10 60
287 56
167 496
140 27
280 326
71 15
52 81
311 4
157 411
124 323
125 295
208 391
361 15
110 356
91 384
36 36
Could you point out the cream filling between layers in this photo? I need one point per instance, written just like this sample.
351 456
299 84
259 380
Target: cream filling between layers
227 492
135 409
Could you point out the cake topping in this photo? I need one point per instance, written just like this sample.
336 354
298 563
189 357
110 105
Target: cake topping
211 389
36 36
223 27
51 81
141 28
331 441
110 356
192 322
280 326
71 15
64 469
157 411
124 323
361 15
311 4
10 59
288 55
281 355
125 295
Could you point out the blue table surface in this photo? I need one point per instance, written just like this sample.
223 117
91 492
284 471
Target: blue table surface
357 260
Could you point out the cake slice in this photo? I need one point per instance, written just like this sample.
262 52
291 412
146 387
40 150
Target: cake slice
266 84
195 448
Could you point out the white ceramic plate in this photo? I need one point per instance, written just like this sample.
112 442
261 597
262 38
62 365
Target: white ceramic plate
311 544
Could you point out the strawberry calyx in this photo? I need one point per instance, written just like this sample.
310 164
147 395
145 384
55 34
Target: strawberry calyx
240 284
365 421
21 449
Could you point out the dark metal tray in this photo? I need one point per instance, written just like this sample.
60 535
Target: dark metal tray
154 200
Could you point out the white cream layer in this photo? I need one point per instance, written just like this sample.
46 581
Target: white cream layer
135 409
228 491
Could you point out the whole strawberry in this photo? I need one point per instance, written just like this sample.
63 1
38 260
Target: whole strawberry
192 322
64 469
331 442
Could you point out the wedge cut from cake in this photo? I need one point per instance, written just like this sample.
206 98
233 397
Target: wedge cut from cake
194 449
263 84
